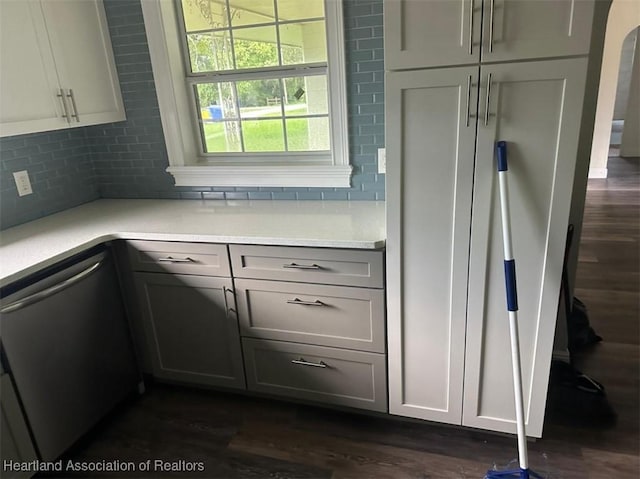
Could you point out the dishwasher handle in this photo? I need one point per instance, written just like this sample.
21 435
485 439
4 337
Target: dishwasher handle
45 293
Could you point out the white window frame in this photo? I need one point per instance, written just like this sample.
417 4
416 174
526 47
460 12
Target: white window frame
186 162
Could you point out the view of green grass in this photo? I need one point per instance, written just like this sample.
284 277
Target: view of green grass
259 135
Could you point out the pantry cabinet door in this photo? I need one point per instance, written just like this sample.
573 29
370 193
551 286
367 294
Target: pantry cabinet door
81 46
523 29
28 81
536 108
430 136
430 33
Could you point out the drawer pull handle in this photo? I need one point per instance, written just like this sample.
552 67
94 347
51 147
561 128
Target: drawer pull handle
169 259
317 302
302 362
301 266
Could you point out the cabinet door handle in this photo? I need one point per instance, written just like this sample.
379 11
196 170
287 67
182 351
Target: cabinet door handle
471 27
302 362
74 113
317 302
64 105
468 101
227 310
170 259
301 266
487 101
492 7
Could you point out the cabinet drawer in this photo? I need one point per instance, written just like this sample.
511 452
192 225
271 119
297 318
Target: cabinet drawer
309 265
183 258
316 373
308 313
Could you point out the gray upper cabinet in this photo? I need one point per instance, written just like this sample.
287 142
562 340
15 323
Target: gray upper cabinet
431 33
527 29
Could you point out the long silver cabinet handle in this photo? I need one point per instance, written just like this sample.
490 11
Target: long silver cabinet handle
64 106
471 27
487 101
301 266
170 259
74 113
317 302
45 293
302 362
468 101
492 7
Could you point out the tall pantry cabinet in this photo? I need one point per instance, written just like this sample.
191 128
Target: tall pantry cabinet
454 86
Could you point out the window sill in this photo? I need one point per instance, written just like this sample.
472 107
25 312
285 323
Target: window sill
313 176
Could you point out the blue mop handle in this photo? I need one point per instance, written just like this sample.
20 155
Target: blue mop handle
501 150
509 262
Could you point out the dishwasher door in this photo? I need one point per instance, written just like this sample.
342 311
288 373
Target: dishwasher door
67 346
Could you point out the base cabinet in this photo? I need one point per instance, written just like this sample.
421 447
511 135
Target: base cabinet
185 306
191 329
316 373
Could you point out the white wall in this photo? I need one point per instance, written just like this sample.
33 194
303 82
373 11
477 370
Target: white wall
624 16
624 76
630 146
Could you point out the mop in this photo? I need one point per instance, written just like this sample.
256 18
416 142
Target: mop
512 307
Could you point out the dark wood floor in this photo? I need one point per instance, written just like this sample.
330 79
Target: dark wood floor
235 436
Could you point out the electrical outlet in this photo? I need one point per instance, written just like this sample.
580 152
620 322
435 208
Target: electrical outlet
22 182
382 160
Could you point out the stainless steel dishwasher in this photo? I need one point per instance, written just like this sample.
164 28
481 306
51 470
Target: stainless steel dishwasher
67 347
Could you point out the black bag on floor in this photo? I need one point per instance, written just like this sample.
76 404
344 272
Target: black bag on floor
579 331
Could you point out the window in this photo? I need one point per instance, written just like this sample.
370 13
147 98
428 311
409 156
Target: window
251 92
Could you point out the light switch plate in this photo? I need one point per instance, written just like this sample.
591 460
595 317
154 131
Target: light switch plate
22 182
382 160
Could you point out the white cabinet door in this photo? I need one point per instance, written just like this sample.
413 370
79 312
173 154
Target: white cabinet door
430 150
28 80
522 29
431 33
56 66
536 108
82 50
191 328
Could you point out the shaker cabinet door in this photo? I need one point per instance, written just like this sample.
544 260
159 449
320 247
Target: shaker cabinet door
81 44
430 131
56 66
440 33
28 80
191 328
523 29
536 108
430 33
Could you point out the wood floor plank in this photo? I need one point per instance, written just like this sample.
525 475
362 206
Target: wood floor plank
348 458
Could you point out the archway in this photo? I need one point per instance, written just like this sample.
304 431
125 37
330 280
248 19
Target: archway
624 17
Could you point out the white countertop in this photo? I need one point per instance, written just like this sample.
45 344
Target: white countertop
32 246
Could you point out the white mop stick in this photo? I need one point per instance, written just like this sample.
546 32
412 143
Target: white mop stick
512 302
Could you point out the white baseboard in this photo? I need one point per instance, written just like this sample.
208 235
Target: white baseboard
597 172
